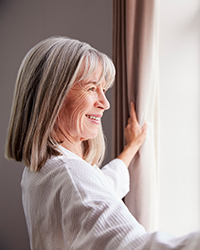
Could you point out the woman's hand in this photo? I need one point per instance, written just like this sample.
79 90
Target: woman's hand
135 136
134 133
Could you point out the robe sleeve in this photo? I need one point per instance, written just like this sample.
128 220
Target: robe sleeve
116 172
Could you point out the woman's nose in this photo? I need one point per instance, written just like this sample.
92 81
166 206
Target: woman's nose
103 101
107 103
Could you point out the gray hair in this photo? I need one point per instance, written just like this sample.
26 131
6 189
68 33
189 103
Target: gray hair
44 78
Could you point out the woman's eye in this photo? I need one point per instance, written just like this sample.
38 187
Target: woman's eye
92 89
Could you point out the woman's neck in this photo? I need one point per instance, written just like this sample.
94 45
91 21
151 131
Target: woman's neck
74 148
65 140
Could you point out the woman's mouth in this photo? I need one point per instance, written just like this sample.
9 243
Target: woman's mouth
92 117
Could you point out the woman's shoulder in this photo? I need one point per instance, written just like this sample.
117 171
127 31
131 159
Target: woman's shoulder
58 175
61 174
63 167
54 167
58 168
66 164
78 173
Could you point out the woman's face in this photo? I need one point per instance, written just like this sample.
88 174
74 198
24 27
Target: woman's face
80 116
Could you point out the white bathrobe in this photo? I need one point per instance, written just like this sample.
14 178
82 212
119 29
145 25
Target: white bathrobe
70 204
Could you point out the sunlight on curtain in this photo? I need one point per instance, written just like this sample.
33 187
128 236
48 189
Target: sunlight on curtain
180 116
135 55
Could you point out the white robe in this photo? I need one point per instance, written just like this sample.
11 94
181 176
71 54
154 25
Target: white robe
70 204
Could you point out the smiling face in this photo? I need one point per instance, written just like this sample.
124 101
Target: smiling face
80 115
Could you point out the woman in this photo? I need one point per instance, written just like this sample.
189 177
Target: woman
55 129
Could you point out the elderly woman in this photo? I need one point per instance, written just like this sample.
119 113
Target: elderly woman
55 129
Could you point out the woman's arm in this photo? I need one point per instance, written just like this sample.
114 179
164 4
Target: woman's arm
115 171
117 176
135 136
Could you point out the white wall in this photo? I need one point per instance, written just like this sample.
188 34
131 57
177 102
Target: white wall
180 113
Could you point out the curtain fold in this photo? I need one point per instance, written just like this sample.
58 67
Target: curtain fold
135 55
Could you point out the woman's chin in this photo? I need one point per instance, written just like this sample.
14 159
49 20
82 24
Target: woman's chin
90 137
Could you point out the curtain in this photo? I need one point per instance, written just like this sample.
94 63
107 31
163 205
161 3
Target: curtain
135 55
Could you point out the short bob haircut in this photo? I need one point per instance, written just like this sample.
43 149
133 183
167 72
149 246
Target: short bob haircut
44 78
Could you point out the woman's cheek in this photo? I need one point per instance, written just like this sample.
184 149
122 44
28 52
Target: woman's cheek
79 109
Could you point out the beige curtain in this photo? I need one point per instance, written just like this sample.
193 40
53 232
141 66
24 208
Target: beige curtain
135 55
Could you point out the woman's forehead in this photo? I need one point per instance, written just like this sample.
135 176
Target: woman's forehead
94 74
